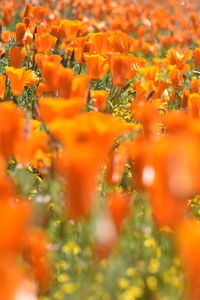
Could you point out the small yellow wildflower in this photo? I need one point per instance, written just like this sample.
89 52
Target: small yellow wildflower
123 283
56 223
62 277
71 248
99 187
176 282
51 205
103 263
132 293
152 283
150 243
58 295
158 252
131 272
153 266
176 261
140 282
62 265
69 288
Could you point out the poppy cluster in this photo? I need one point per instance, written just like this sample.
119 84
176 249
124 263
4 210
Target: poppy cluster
107 104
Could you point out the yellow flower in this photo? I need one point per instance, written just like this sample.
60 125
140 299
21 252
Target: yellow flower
158 252
132 293
175 281
149 243
131 272
152 283
153 266
62 265
69 288
71 248
58 295
123 283
62 277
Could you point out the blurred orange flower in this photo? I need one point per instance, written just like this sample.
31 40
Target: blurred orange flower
19 78
17 56
97 66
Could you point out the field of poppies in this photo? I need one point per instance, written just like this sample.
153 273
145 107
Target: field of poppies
100 150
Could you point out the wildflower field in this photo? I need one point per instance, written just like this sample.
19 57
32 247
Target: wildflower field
100 150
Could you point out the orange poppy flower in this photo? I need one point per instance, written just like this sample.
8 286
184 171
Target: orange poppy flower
65 80
41 58
71 29
120 42
166 40
12 277
27 11
80 87
97 66
2 85
124 67
149 91
179 57
35 250
150 48
2 53
195 85
35 143
6 35
176 78
7 13
14 220
197 57
49 75
155 166
141 30
44 42
118 205
149 73
40 89
40 13
20 33
116 163
148 114
185 97
30 78
19 78
99 42
17 56
99 98
82 151
177 179
79 46
56 108
194 105
55 31
9 128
